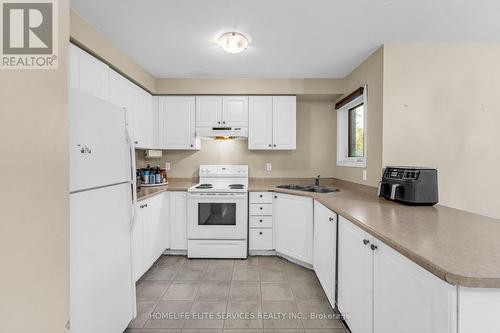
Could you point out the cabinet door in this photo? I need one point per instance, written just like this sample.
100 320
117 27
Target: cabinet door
138 244
284 122
152 228
208 111
89 74
121 94
294 226
324 250
355 277
235 111
146 129
176 119
178 220
407 298
260 122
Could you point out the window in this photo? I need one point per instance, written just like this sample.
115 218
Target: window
351 129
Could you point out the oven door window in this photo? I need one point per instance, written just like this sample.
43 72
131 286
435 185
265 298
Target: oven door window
216 213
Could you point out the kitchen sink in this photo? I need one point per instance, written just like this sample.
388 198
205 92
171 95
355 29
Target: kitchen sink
315 189
320 189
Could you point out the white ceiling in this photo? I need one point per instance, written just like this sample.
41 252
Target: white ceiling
288 38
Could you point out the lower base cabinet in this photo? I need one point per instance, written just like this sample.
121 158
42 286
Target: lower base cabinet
293 216
150 236
178 221
355 277
381 291
325 249
407 298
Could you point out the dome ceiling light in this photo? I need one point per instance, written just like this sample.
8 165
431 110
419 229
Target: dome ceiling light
233 42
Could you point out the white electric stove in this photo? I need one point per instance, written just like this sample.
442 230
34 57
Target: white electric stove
218 213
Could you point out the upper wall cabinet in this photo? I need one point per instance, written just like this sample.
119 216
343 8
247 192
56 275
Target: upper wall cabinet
235 111
221 111
177 123
141 110
208 111
87 73
272 122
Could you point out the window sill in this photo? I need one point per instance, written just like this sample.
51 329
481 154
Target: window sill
353 164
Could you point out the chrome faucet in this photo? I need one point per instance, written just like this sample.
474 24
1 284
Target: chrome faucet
316 181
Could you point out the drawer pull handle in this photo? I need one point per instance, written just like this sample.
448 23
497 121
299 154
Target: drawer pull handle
366 241
260 221
261 208
374 247
331 218
260 233
260 195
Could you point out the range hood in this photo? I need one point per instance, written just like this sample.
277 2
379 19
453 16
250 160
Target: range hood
222 132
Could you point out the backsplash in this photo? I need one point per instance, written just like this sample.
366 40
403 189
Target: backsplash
315 153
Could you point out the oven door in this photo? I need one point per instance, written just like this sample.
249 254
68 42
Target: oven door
217 216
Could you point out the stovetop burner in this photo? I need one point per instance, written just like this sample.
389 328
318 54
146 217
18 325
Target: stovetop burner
204 186
236 186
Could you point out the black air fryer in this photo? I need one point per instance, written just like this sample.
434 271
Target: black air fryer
409 185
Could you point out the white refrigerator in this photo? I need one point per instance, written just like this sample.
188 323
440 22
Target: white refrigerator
102 214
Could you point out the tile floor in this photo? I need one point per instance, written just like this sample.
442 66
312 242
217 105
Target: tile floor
257 295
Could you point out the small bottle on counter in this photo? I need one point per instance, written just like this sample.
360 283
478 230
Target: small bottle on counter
157 175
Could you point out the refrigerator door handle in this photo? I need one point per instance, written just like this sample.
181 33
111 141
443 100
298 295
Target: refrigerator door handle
132 178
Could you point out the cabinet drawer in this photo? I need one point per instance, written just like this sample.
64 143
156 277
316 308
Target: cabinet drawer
261 239
261 197
261 209
261 221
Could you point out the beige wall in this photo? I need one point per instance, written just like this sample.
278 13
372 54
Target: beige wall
442 109
370 72
316 87
87 37
314 155
34 208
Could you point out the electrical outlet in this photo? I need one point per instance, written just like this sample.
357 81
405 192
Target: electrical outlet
167 166
269 166
365 174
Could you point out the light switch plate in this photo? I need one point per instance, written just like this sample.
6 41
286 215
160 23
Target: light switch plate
167 166
365 174
269 166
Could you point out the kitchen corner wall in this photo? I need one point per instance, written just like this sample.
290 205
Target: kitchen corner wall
442 109
34 201
370 72
314 155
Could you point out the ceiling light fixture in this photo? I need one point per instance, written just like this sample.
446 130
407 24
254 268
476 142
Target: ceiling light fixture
233 42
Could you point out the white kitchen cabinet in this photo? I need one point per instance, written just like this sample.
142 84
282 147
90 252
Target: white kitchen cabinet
260 221
142 112
153 231
122 94
284 122
177 123
293 216
235 111
325 249
208 111
178 220
355 277
272 122
88 73
407 298
150 237
146 120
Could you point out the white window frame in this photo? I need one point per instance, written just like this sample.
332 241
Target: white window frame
343 131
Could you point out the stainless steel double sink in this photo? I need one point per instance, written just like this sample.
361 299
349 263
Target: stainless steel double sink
310 188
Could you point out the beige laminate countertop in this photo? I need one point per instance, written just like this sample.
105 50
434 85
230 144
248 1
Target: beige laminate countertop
180 184
459 247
